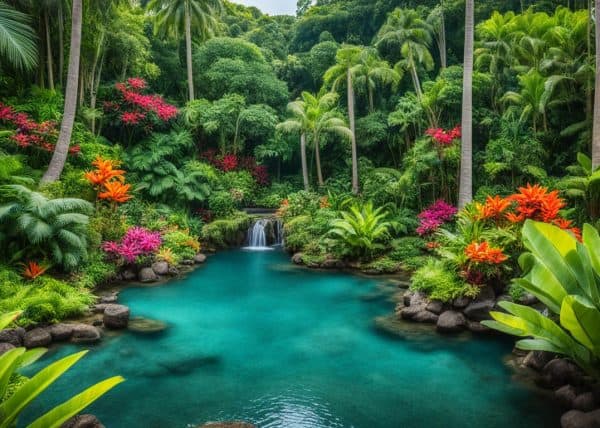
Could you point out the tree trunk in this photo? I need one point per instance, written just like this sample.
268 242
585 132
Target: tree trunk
188 53
443 53
304 162
355 186
49 63
371 98
61 44
61 151
95 75
596 132
465 193
318 161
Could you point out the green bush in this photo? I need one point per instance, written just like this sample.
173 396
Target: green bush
440 283
96 272
222 204
227 232
382 265
406 248
240 183
183 245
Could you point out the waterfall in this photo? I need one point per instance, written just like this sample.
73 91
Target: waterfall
264 234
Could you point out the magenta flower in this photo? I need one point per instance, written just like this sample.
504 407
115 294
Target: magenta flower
136 242
435 216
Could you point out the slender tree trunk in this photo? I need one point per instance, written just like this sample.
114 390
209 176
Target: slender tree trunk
318 162
304 161
95 75
355 184
49 63
443 52
61 44
188 53
371 98
596 132
465 193
61 151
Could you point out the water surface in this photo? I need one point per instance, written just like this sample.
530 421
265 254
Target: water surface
251 337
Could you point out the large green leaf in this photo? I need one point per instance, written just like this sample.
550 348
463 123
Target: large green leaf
582 321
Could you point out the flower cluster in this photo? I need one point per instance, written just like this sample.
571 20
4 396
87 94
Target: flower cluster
494 208
109 181
135 108
482 252
443 137
29 133
231 162
435 216
136 242
33 270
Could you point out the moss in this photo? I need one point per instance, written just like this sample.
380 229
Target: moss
406 248
226 232
440 282
382 265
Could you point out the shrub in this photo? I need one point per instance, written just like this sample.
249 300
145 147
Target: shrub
227 232
137 242
383 265
222 204
440 282
182 245
405 248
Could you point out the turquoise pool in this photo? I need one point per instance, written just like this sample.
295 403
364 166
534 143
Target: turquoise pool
251 337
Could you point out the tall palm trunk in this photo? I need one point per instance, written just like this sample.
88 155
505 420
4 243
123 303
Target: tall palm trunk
49 63
61 43
355 186
442 38
304 162
596 132
61 151
465 193
188 53
318 161
371 98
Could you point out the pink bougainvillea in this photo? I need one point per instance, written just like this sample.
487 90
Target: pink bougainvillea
442 137
231 162
435 216
136 242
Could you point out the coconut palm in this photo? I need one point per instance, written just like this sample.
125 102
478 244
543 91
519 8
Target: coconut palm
596 131
437 21
59 157
17 39
186 16
348 57
465 192
373 71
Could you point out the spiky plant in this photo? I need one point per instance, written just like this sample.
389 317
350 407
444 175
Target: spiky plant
33 226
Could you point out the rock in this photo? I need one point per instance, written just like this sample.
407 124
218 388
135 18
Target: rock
426 317
199 258
61 332
585 402
461 302
14 336
116 316
477 327
566 395
160 268
479 309
418 299
84 333
5 347
528 299
410 312
234 424
451 322
435 306
579 419
146 326
100 307
129 275
97 323
331 263
173 271
109 298
537 359
560 371
297 258
147 275
83 421
406 297
187 262
37 338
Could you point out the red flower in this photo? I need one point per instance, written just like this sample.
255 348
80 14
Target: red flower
483 253
132 118
136 83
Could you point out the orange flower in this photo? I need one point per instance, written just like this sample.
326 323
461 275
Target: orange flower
536 203
324 202
116 192
493 208
483 253
104 172
32 270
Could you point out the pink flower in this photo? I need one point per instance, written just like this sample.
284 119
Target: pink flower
132 118
444 138
136 83
435 216
136 242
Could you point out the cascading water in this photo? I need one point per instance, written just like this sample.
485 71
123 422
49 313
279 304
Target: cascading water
265 234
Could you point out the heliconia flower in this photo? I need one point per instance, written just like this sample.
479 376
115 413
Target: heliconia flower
484 253
115 191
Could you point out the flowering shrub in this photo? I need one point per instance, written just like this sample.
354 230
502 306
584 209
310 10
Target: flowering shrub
435 216
109 181
231 162
136 242
442 137
29 133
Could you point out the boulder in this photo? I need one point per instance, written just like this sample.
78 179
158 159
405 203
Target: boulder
129 275
84 333
406 297
528 299
477 327
418 299
37 338
61 332
561 371
479 309
5 347
537 359
14 336
411 312
173 271
83 421
461 302
426 317
332 263
579 419
451 322
435 306
187 262
100 307
109 298
565 395
147 275
199 258
116 317
297 258
160 268
585 402
234 424
146 326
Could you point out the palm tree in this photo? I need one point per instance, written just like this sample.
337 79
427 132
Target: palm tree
465 192
596 131
347 59
532 99
61 151
187 16
437 22
371 71
299 123
17 39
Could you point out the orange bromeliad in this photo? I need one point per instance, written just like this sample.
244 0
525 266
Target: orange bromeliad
493 208
536 203
116 192
105 171
484 253
32 270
